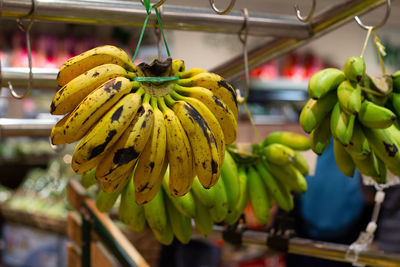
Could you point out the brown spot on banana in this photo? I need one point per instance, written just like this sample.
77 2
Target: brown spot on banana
391 149
97 150
94 74
195 115
125 155
117 114
224 84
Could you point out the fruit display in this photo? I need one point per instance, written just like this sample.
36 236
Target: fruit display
138 120
361 113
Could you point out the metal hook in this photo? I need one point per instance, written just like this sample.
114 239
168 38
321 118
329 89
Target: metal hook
365 27
243 33
308 18
157 5
224 12
157 32
27 30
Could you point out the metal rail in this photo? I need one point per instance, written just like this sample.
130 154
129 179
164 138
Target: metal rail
174 17
43 78
321 24
318 249
26 127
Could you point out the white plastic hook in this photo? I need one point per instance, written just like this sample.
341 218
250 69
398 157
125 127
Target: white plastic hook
310 15
365 27
223 12
27 30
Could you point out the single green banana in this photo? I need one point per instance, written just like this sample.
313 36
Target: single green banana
258 196
349 97
181 225
105 201
316 110
342 124
203 220
358 147
374 116
289 176
396 103
220 209
300 162
229 174
184 204
321 136
278 154
396 81
324 81
343 160
205 195
354 68
279 193
157 218
89 178
371 166
130 213
235 214
293 140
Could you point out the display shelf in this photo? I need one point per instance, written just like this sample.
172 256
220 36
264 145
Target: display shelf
37 221
278 90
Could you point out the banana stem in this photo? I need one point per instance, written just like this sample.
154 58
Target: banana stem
146 98
153 102
140 91
170 101
177 96
161 104
373 92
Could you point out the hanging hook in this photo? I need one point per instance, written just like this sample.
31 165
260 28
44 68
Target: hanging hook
224 12
310 15
243 33
27 30
365 27
157 32
157 5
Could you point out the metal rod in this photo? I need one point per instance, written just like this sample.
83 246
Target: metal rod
43 78
318 249
328 20
174 17
26 127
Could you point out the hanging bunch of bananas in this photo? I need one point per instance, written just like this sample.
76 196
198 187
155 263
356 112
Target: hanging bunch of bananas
274 169
360 112
142 119
169 216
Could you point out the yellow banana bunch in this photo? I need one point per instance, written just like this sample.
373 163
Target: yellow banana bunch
137 120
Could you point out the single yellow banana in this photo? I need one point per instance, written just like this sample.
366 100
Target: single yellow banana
217 85
145 196
293 140
316 110
177 67
148 173
131 213
57 135
324 81
122 157
105 133
343 159
92 58
221 111
71 94
321 136
158 220
258 196
202 141
210 119
278 154
94 106
190 73
184 204
179 153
